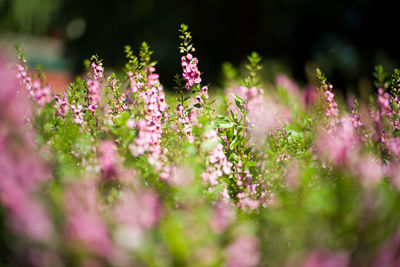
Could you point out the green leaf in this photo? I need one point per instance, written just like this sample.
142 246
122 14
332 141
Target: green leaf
251 163
187 112
225 124
238 101
233 144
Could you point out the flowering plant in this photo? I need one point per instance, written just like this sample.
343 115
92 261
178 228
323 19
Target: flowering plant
115 171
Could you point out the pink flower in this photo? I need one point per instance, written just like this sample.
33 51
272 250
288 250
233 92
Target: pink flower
176 175
97 70
247 203
138 210
25 79
150 128
284 81
130 123
327 259
368 170
78 114
93 95
222 216
218 163
243 252
41 94
388 252
22 170
84 223
25 212
339 144
184 123
309 97
108 159
191 73
61 104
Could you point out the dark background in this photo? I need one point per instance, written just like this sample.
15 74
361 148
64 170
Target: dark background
346 39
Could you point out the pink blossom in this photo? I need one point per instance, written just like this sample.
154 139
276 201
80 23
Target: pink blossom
25 79
139 210
36 90
339 144
84 222
264 114
130 123
22 170
93 95
331 109
185 122
61 104
203 94
191 73
356 119
78 114
41 94
284 81
108 159
383 101
368 170
177 175
150 128
327 259
27 215
388 253
97 70
245 202
222 217
243 252
309 97
218 163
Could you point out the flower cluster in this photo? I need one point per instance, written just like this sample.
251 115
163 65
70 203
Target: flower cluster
93 95
247 196
61 104
78 113
97 70
356 119
22 171
191 73
135 82
222 217
331 110
218 163
25 79
84 223
39 93
185 122
150 128
243 252
203 94
210 183
108 159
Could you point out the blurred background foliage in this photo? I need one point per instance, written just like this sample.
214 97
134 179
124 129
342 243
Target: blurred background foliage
346 39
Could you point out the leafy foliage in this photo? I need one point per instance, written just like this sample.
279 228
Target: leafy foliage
109 173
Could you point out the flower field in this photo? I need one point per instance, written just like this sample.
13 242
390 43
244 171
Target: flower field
118 171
